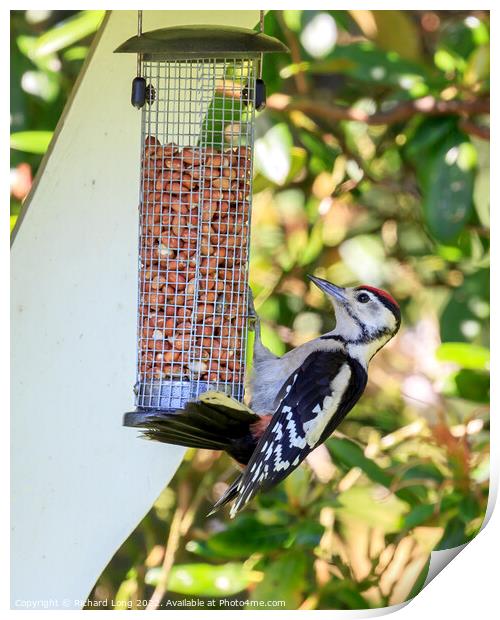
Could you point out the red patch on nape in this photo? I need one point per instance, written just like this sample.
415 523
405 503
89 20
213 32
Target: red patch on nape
380 292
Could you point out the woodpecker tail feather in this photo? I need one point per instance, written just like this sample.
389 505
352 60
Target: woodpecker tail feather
214 422
229 495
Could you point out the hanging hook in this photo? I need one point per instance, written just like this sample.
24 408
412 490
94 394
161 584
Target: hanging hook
260 87
139 34
261 30
138 98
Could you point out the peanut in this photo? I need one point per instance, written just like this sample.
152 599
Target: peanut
194 217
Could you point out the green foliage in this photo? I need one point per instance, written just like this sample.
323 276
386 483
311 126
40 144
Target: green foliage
366 63
67 33
242 538
31 141
402 204
464 355
47 52
283 579
447 179
203 579
359 504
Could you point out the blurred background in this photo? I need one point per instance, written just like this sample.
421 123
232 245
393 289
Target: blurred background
372 166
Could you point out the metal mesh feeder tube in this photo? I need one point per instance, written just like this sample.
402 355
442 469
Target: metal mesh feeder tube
199 89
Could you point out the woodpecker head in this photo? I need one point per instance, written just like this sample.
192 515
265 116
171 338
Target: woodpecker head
364 315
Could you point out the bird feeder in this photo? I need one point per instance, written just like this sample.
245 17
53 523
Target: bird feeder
198 88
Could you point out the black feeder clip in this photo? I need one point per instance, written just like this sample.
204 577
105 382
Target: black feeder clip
142 93
138 98
260 94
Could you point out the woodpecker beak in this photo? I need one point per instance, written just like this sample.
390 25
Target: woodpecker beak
330 289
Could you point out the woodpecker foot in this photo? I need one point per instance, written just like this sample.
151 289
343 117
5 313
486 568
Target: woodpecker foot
253 318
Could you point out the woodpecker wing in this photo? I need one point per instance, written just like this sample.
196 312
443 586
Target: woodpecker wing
314 400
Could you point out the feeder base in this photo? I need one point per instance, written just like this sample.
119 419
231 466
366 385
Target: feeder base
173 395
140 417
169 397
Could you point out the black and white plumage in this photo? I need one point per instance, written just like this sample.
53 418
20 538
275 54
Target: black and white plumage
298 400
314 400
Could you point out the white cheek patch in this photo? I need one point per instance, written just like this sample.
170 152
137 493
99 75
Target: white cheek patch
315 427
377 317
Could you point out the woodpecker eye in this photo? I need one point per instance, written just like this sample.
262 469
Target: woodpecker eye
363 298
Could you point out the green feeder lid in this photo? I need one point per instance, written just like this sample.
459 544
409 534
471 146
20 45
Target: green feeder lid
201 42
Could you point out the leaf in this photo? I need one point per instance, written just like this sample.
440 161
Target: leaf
31 141
469 385
127 591
15 209
447 180
362 503
341 594
467 309
319 33
423 470
368 63
396 30
461 37
306 534
418 515
482 184
284 580
293 19
427 135
298 161
204 579
273 153
43 84
224 121
76 53
68 32
314 245
297 486
469 508
391 30
478 66
471 356
272 340
324 153
341 65
454 535
27 45
351 455
245 537
419 583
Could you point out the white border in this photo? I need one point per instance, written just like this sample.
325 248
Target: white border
469 585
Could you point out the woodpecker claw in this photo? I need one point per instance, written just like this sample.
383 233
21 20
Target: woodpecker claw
253 318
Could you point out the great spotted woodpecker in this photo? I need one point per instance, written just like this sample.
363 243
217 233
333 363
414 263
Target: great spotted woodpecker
297 400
